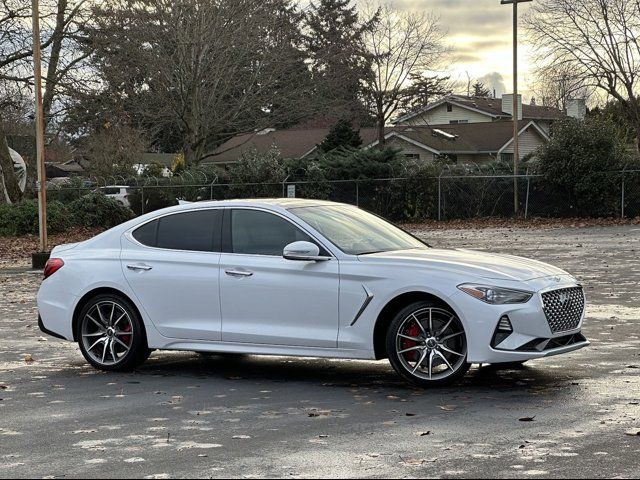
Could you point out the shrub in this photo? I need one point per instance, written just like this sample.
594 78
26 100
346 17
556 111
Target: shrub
97 210
154 199
577 164
22 218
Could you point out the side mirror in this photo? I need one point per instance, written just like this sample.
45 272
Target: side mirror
303 251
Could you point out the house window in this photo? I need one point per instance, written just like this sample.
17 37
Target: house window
449 108
412 156
506 157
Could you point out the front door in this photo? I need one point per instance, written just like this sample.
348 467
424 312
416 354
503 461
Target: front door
267 299
172 266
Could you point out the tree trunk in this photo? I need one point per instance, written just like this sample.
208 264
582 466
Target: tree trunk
54 59
382 142
9 189
380 123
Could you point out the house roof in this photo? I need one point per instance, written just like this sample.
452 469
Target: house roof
292 143
488 137
491 107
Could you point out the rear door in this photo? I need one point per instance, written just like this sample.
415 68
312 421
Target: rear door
172 265
267 299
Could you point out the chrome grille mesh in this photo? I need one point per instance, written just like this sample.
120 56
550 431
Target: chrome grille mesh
563 308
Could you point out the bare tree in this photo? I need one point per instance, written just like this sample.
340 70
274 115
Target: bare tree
403 44
598 41
62 24
555 86
200 71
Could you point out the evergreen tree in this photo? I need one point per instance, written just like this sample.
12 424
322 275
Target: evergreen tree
341 135
339 62
479 90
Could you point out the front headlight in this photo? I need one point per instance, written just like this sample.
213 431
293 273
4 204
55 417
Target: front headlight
496 295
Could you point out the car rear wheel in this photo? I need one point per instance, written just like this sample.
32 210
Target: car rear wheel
111 334
427 345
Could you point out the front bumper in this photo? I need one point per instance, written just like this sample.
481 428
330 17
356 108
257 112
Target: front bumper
532 335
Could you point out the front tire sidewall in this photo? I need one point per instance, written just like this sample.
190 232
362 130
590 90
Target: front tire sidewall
392 332
139 351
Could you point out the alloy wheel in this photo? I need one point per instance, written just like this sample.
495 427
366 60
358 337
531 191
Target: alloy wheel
431 344
107 333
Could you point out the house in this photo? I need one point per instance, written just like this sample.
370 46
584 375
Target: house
63 170
462 129
456 109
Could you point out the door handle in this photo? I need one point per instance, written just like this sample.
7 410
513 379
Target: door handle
135 268
238 273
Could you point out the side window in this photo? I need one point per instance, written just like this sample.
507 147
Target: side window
147 234
260 233
197 231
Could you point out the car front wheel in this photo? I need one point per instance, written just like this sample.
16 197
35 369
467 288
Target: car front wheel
111 334
427 345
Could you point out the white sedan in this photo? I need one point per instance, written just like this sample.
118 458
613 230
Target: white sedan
303 278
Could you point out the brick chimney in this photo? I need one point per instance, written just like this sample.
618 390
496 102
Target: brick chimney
507 104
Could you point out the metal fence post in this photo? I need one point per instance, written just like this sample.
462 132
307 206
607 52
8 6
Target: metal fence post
439 197
526 204
622 205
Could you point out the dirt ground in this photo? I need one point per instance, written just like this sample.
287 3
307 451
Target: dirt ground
184 416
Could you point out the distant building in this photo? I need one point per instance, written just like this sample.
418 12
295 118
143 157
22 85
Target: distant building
463 129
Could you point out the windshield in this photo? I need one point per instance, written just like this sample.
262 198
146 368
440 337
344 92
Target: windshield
355 231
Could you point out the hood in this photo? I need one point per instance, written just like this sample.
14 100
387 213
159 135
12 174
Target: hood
470 262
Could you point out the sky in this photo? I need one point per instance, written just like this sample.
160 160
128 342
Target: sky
480 35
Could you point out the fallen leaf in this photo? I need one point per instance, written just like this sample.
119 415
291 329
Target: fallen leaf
423 434
241 437
633 433
448 408
410 414
527 419
29 359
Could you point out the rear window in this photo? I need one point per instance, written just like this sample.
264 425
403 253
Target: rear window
197 231
147 234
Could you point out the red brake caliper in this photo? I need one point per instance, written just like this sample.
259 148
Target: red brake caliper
412 331
126 338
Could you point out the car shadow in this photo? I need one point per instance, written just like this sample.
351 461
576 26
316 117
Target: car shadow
347 373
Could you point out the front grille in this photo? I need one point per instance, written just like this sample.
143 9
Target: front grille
563 308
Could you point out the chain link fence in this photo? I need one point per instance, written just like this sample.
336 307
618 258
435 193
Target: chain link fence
607 194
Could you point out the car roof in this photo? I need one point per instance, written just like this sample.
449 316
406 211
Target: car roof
286 203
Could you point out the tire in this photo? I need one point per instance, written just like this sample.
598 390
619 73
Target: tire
111 334
411 342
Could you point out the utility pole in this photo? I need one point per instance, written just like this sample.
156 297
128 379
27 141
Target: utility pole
39 118
516 126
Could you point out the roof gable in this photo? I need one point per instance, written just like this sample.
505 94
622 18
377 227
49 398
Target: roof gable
491 107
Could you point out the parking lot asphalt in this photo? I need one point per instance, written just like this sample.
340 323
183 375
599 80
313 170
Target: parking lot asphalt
183 415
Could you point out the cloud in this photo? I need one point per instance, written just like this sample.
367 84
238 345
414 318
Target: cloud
494 81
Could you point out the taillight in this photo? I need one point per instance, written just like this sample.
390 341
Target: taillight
52 266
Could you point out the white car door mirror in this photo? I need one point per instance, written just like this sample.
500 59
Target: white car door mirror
304 251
